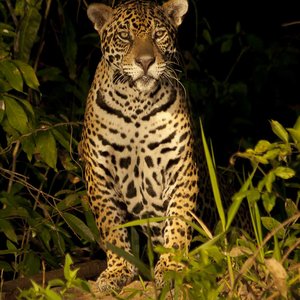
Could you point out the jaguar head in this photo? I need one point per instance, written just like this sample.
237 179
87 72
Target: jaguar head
138 40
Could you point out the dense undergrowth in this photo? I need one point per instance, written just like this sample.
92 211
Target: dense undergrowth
45 73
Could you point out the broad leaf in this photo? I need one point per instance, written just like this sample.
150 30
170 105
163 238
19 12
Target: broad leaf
16 114
78 227
11 74
29 27
279 130
8 230
28 74
46 147
271 224
284 172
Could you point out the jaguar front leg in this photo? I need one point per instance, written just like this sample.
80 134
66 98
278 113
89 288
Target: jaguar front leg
109 213
177 232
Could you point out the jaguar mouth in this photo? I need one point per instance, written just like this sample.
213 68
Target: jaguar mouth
145 83
145 79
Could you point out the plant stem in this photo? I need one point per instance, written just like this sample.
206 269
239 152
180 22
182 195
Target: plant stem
13 168
11 11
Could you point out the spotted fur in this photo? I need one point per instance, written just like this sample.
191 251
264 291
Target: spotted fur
137 142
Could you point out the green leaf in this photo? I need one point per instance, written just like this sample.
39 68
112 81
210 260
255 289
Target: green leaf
272 154
295 134
90 218
78 227
46 147
269 200
206 36
279 130
297 124
29 27
4 85
45 236
52 295
271 224
31 263
213 179
290 207
135 242
28 74
270 178
58 241
61 138
69 202
5 266
28 108
262 146
19 212
6 30
8 230
28 146
284 172
12 74
253 195
16 115
56 282
237 199
226 45
67 268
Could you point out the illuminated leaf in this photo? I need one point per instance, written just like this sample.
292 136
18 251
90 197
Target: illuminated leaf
28 74
16 115
279 130
284 172
12 74
46 147
79 227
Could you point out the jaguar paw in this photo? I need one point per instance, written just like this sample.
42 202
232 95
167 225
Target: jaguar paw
114 279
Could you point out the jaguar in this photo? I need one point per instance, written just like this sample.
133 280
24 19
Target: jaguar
138 144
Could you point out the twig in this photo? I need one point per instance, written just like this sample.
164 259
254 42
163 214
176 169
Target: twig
290 24
13 168
235 63
11 11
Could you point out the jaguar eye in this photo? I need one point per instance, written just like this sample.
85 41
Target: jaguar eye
124 35
159 34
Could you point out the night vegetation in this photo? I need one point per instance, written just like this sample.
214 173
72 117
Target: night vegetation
243 82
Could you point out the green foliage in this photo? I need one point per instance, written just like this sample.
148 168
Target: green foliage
48 292
44 210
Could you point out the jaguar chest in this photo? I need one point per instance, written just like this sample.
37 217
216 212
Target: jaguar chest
135 141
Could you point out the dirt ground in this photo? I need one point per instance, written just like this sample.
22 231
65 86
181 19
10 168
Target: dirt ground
134 291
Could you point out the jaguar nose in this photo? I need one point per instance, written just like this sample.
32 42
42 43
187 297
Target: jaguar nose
145 61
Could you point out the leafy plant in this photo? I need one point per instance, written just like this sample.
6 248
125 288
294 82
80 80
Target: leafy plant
44 212
62 287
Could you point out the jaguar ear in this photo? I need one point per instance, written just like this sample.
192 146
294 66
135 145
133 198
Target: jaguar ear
176 9
99 14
